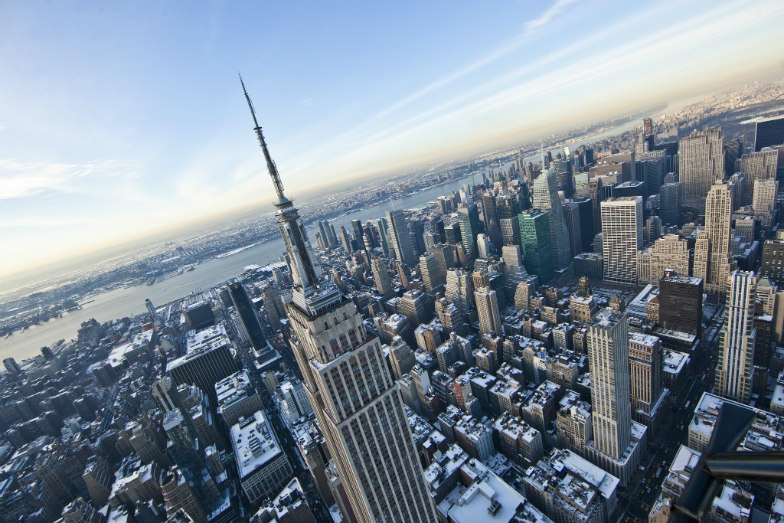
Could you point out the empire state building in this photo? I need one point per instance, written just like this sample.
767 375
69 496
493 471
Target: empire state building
357 404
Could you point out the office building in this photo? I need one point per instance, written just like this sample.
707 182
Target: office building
433 275
236 397
734 366
546 198
490 320
262 467
247 313
622 237
700 164
608 357
535 242
177 495
760 165
468 217
573 219
645 375
680 303
460 290
357 404
768 132
381 278
401 237
208 359
773 261
764 199
670 201
718 218
670 252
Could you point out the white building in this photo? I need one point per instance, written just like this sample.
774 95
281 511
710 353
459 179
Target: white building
622 237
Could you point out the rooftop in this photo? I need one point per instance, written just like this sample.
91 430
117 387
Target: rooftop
254 443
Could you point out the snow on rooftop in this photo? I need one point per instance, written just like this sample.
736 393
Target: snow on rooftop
254 443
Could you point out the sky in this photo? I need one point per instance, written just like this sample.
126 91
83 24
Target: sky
122 118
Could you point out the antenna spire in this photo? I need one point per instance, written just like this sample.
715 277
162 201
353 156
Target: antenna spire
271 167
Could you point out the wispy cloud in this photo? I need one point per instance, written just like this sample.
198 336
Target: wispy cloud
483 104
26 179
41 222
553 11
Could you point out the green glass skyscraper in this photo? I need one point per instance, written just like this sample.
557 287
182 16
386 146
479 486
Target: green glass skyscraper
469 228
535 242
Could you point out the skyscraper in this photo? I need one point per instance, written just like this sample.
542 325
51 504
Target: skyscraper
670 198
572 216
608 357
768 132
718 216
459 289
546 198
432 272
764 199
381 278
645 367
357 404
535 242
700 164
401 238
247 315
469 228
490 321
736 349
621 238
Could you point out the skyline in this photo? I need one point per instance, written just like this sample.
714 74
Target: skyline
107 135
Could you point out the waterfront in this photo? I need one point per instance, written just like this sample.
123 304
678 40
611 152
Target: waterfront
129 301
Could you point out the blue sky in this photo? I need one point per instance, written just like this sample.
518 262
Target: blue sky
120 118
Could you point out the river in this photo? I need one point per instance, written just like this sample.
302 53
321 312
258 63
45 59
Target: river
129 301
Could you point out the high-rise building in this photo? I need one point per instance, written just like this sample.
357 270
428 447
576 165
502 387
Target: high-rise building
208 359
357 404
273 305
760 165
670 199
700 164
535 241
546 198
573 218
764 199
381 277
178 495
460 289
622 237
469 228
328 234
401 237
490 217
670 252
734 367
645 369
608 356
768 132
718 217
680 302
773 261
432 272
247 314
490 320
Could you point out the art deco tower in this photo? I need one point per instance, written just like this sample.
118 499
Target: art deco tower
358 406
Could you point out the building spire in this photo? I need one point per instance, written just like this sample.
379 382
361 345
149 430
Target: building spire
271 167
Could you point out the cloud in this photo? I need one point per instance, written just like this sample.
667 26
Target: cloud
41 222
545 18
28 179
597 73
